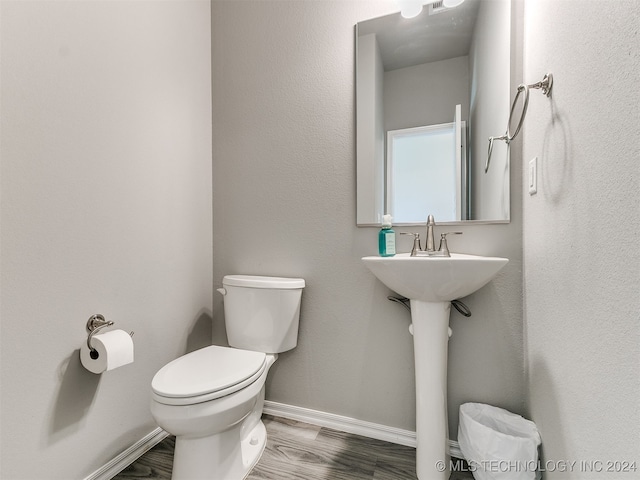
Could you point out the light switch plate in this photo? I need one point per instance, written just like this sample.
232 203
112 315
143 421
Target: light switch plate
533 176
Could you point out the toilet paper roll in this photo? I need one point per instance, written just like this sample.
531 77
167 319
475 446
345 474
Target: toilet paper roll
114 349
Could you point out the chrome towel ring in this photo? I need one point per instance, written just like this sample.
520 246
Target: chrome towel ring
545 85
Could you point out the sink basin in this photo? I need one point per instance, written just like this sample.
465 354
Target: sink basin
435 279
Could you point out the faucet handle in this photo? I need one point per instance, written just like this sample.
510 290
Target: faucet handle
416 242
443 251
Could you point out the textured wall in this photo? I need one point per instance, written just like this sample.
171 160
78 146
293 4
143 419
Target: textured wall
284 204
582 261
106 208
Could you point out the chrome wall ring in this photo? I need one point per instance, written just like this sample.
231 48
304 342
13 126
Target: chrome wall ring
545 85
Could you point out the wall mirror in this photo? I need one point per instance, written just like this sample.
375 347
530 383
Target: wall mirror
430 91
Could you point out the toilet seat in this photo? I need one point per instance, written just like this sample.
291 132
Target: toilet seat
206 374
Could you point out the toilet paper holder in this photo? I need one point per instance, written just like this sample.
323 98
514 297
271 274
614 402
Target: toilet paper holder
94 324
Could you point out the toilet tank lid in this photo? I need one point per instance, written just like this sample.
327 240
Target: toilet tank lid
252 281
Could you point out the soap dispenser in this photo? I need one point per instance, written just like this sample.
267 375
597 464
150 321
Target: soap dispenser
386 238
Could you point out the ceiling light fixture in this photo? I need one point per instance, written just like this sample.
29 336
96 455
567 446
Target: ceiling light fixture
413 8
452 3
410 8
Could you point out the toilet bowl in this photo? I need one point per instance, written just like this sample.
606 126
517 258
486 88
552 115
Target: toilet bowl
216 435
212 399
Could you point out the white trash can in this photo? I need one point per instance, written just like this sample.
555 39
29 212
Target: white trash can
498 444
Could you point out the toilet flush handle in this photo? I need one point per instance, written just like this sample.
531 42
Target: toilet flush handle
223 291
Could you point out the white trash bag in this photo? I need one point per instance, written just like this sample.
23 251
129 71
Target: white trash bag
498 444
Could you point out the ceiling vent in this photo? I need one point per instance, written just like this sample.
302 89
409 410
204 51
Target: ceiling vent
437 7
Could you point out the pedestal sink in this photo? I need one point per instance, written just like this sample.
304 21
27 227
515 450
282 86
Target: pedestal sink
431 283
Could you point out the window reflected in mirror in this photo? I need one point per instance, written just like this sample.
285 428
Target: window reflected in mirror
424 174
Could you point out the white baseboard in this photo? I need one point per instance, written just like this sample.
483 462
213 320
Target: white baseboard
350 425
130 455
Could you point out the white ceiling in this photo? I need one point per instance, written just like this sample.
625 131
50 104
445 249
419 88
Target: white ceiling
425 38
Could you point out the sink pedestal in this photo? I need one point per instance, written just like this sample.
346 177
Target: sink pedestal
430 345
431 283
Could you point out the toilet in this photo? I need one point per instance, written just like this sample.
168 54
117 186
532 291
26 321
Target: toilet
212 399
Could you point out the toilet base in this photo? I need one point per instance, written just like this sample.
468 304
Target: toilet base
253 447
224 456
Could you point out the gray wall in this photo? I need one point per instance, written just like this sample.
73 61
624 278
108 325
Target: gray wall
582 261
284 204
489 60
106 208
370 124
426 94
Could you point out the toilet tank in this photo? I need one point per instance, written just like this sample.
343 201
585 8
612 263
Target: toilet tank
262 313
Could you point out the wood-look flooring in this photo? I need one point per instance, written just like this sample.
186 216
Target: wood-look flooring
299 451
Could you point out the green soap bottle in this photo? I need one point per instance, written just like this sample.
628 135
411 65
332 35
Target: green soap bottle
386 238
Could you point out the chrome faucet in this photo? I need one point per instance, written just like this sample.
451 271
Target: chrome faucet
429 250
430 246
